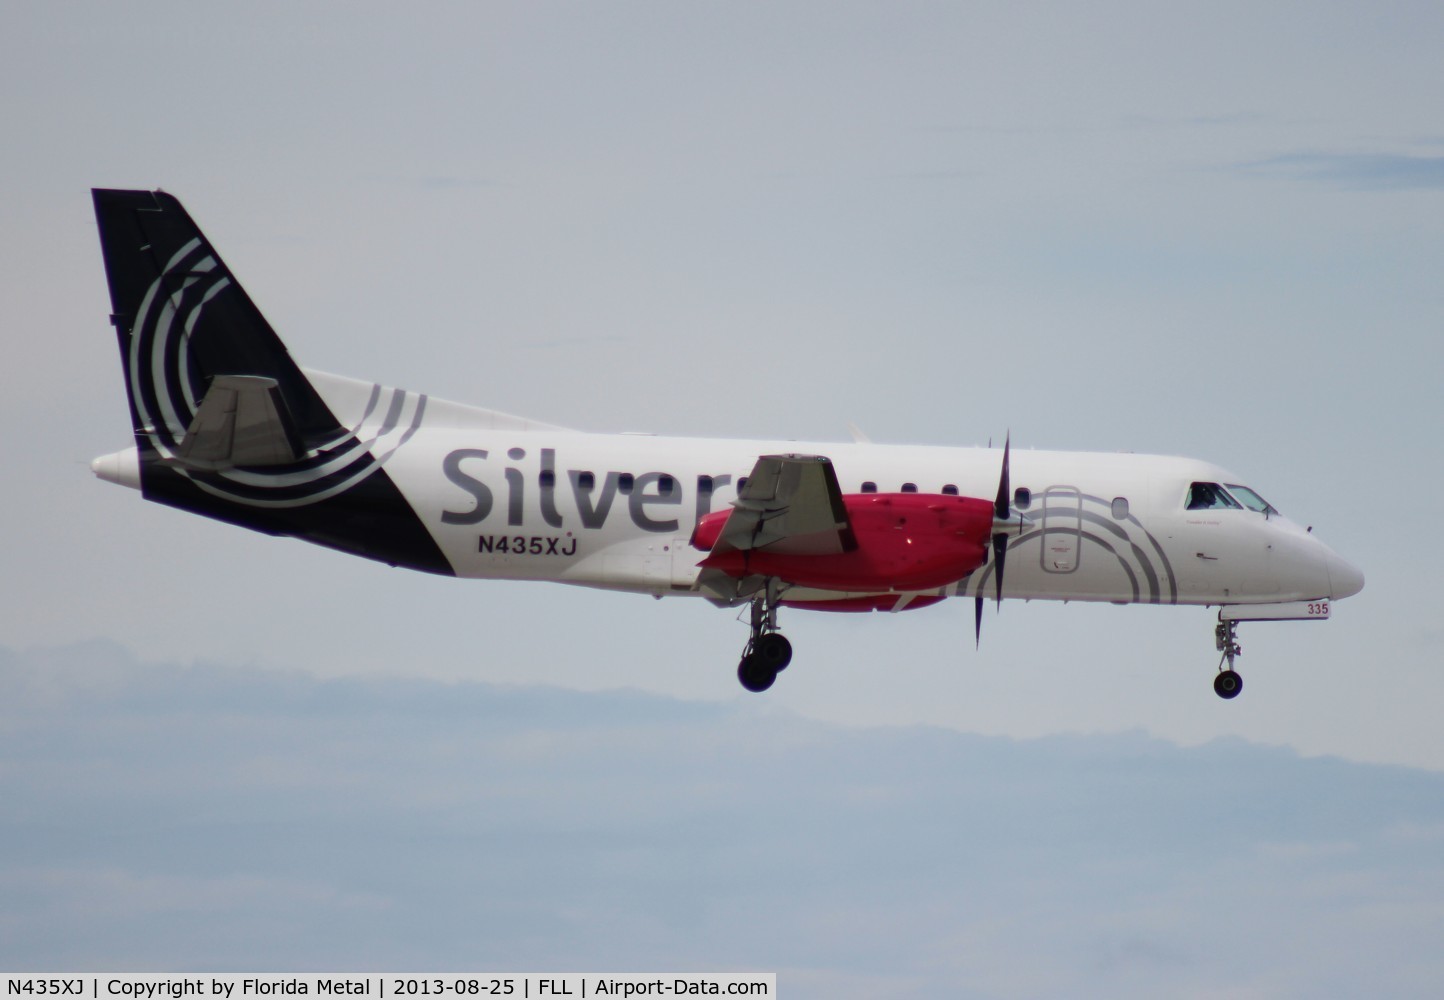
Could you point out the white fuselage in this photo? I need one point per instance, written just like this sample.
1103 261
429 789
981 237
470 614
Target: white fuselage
508 498
522 501
498 516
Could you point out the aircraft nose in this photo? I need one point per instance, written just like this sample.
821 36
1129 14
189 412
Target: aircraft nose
1345 579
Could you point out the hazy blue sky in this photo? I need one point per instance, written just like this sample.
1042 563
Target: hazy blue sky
1205 229
157 816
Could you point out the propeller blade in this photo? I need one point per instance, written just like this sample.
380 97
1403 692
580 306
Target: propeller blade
1002 507
1002 510
1000 555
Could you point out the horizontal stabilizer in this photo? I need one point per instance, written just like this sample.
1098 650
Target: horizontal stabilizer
241 421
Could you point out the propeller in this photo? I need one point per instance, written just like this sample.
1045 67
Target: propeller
1002 509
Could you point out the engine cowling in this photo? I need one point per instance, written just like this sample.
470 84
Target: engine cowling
901 541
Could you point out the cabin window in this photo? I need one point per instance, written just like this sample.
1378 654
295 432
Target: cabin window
665 485
741 484
869 487
1120 508
1251 500
704 484
950 490
625 482
1209 496
910 487
1022 498
586 480
548 479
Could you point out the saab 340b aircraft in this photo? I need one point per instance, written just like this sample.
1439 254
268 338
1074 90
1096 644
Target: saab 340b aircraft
228 426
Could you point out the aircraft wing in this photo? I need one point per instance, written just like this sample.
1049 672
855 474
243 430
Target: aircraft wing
789 504
792 505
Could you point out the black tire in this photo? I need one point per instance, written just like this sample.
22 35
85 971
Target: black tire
773 649
1227 684
755 675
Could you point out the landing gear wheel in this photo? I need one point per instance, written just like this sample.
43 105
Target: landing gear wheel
767 651
755 675
1227 684
773 649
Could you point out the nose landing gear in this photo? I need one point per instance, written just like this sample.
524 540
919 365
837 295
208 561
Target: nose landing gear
768 651
1228 683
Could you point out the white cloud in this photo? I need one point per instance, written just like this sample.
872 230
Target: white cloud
1374 171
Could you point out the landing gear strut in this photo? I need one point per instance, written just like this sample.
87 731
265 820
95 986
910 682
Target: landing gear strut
767 651
1228 683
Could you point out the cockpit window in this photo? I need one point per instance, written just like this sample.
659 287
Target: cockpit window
1251 500
1209 496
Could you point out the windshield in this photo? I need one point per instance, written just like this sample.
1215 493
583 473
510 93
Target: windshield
1251 500
1209 496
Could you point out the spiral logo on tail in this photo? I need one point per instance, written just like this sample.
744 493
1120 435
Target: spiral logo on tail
167 388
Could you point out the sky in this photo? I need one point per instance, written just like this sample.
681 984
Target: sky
210 816
1208 229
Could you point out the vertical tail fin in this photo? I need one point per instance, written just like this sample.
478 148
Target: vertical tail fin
183 319
226 423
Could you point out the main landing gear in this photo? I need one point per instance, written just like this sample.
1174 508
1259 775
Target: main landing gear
1228 683
767 651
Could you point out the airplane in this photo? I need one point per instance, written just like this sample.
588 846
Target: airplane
228 426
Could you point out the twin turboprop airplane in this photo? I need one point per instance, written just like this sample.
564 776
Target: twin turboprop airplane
228 426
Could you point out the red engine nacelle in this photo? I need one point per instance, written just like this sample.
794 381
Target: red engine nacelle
905 541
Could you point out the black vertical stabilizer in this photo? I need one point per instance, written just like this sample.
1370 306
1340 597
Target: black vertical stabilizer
182 321
149 242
